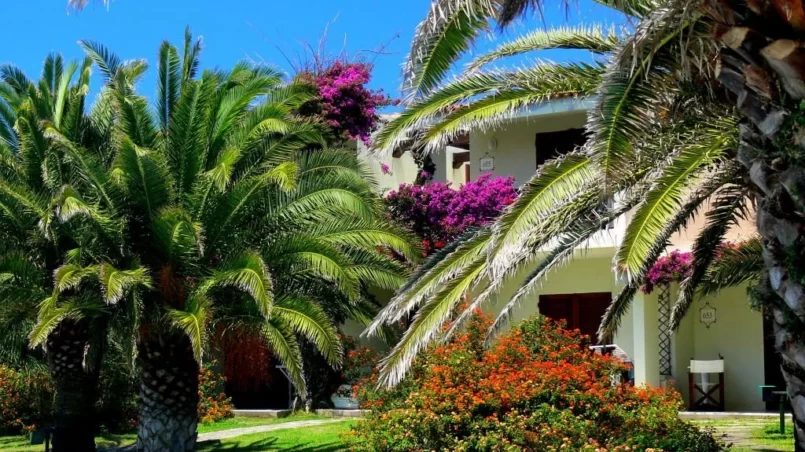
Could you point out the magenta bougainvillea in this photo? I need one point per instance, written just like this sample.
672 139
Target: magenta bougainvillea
677 265
343 101
671 268
438 214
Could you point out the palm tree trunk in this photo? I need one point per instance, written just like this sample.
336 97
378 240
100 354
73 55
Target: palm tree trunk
781 223
763 65
168 395
76 387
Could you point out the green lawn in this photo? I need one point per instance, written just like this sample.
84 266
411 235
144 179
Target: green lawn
320 438
21 444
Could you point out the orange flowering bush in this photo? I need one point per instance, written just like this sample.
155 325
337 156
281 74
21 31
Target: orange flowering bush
213 404
538 387
26 399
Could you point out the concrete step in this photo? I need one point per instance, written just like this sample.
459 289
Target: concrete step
262 413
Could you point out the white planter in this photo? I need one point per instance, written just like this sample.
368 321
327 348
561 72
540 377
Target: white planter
344 403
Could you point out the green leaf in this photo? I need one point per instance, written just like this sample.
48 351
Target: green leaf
439 41
581 37
117 283
106 61
554 182
440 268
145 175
281 339
192 320
698 153
168 82
69 276
428 322
246 272
309 320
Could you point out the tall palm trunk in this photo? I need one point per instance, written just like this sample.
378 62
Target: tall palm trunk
76 383
763 65
168 394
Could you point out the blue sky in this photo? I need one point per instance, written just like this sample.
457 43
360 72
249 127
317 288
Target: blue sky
237 29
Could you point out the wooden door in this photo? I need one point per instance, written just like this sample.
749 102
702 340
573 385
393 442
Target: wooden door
582 311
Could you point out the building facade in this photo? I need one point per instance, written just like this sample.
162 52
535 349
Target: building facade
723 326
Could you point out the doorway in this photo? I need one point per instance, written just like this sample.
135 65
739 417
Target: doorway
582 311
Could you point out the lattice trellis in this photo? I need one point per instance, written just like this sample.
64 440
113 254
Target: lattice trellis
664 310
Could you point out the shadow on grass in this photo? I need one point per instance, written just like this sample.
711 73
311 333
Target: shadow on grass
269 444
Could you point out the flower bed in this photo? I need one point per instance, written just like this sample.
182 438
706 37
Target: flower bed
537 388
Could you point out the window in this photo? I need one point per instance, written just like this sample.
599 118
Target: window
582 311
553 144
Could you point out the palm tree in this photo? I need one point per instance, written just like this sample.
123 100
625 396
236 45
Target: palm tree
218 211
36 174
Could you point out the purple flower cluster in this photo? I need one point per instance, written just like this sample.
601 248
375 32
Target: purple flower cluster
674 267
344 102
438 214
385 168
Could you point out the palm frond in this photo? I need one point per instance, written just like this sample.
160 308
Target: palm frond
424 110
249 273
447 32
431 276
168 83
190 57
554 182
309 321
628 99
699 152
729 206
192 320
281 339
581 37
569 242
527 88
107 62
428 322
117 283
611 320
147 180
734 266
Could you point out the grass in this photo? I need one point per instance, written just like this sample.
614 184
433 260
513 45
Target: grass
22 444
753 435
768 437
19 443
320 438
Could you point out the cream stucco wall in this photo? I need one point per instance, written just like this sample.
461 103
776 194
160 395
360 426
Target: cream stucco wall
516 153
737 336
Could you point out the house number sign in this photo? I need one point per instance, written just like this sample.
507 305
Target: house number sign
707 314
487 163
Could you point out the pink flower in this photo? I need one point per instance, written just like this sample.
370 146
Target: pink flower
343 100
385 169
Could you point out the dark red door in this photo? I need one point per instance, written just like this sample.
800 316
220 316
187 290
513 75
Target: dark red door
582 311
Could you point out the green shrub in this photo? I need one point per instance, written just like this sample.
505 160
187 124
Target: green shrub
538 387
26 399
